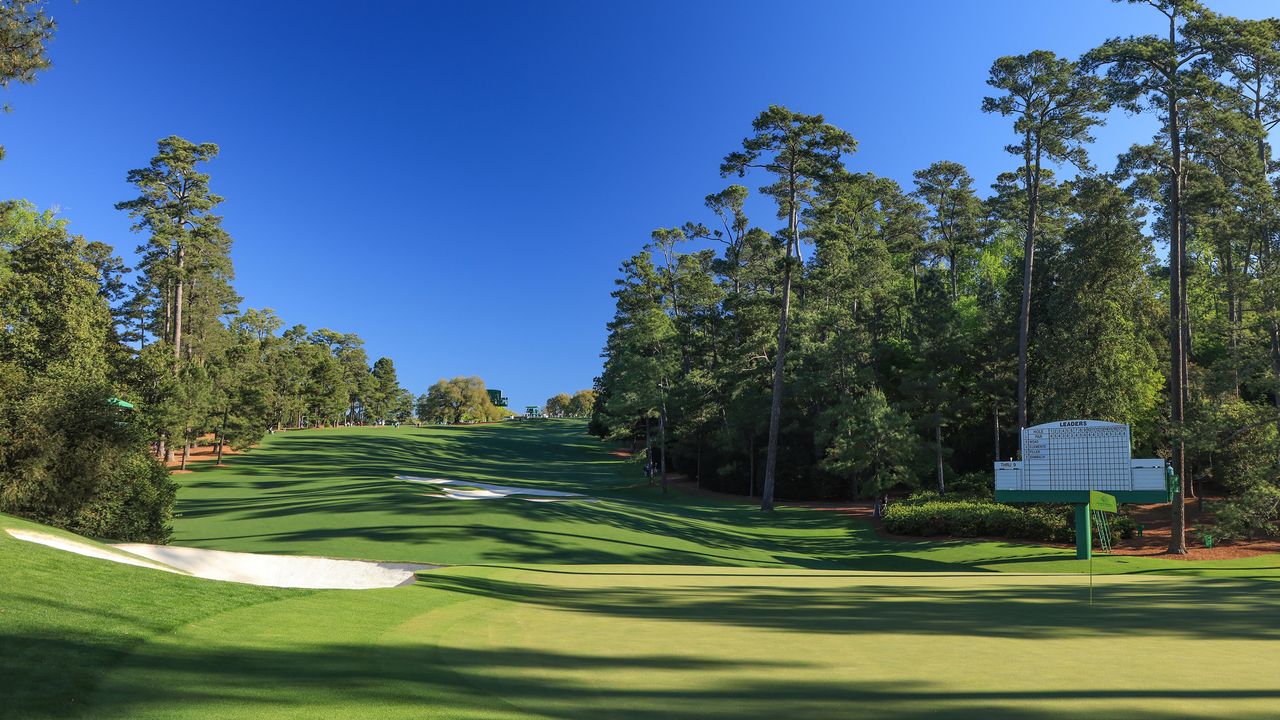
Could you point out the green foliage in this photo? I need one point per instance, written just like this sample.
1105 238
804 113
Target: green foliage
973 485
974 518
873 443
461 399
1101 306
383 401
1255 513
25 30
67 456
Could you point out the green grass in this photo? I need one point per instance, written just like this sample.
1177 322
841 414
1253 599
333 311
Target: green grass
638 607
331 492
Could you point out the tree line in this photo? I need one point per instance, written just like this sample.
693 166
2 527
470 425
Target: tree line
882 338
104 378
461 399
564 405
108 372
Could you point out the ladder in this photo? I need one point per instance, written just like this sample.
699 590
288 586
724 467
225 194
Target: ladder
1104 530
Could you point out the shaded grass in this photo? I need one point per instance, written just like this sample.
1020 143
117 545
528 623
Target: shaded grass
643 643
638 607
331 492
65 617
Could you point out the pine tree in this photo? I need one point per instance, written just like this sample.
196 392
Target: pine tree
1054 107
185 267
799 150
1154 73
25 30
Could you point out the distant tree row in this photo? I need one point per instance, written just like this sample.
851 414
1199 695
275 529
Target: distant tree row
462 399
887 338
227 371
105 370
81 344
564 405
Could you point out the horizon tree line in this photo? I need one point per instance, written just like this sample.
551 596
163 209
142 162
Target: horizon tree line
882 338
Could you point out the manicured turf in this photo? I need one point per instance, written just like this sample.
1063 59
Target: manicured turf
332 492
690 617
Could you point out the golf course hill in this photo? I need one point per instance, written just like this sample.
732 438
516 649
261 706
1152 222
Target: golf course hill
544 577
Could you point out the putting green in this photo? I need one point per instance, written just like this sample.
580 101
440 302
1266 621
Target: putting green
689 616
625 642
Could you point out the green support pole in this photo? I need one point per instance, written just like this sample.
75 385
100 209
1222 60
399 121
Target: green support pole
1084 533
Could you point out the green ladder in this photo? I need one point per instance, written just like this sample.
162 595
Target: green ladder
1104 530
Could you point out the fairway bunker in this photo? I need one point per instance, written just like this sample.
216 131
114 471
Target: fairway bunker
469 490
249 568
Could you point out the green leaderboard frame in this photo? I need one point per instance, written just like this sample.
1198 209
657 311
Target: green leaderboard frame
1078 463
1081 500
1079 497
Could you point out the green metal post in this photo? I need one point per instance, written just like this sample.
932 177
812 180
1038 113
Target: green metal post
1084 533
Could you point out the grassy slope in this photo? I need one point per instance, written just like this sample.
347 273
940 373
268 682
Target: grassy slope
331 492
64 617
644 643
703 633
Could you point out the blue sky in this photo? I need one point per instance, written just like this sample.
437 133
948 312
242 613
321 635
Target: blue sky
458 182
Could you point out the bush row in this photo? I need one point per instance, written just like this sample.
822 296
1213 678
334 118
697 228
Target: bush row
926 515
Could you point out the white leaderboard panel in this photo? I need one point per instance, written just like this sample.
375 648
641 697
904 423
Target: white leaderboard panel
1076 455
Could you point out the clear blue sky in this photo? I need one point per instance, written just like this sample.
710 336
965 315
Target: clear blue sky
458 182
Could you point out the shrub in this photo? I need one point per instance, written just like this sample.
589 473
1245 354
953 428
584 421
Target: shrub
922 496
974 485
70 459
1256 513
1123 527
977 518
926 513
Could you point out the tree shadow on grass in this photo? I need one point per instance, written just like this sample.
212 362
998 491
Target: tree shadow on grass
349 473
405 680
303 480
1003 606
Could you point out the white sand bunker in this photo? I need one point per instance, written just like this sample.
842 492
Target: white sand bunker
470 490
251 568
83 548
280 570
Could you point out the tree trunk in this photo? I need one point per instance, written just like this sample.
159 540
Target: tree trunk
662 446
1028 263
937 447
775 408
186 449
177 308
1178 534
1188 483
222 435
648 451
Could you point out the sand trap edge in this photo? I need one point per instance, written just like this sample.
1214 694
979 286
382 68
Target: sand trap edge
489 491
286 571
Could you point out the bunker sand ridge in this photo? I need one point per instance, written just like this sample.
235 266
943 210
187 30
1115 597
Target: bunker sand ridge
249 568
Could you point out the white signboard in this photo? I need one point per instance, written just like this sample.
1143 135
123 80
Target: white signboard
1076 455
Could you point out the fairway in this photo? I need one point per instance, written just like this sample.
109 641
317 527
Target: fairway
498 390
636 606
